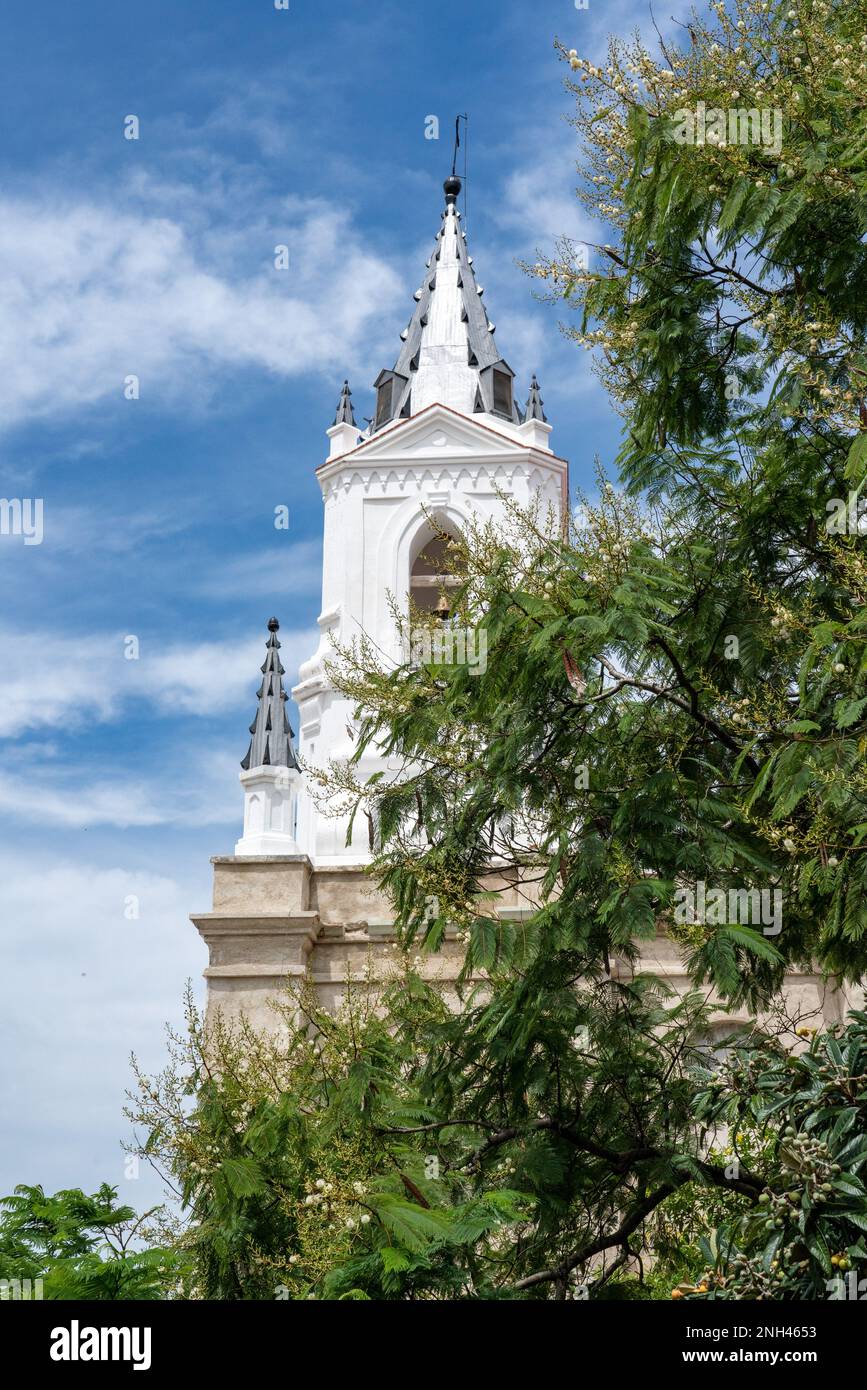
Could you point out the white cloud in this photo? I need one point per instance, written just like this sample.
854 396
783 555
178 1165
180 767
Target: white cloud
267 572
83 985
200 678
93 291
183 790
537 210
540 204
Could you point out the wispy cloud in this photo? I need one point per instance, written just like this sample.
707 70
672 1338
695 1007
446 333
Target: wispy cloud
94 292
266 572
203 791
98 681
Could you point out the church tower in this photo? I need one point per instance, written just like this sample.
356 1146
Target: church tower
447 441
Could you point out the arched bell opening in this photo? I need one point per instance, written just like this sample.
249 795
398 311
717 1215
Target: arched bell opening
432 574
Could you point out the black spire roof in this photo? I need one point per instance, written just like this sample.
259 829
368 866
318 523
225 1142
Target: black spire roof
344 414
450 276
535 406
271 744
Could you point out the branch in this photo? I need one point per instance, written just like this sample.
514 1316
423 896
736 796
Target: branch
620 1160
663 693
595 1247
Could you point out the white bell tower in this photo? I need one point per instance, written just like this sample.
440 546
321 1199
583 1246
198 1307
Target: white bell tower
447 439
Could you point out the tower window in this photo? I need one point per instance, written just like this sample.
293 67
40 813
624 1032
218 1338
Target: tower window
388 390
432 572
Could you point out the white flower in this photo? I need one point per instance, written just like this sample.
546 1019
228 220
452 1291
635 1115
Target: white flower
320 1183
365 1220
350 1223
839 668
833 861
789 846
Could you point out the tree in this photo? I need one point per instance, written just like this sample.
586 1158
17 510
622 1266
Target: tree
804 1239
398 1151
80 1247
730 314
694 651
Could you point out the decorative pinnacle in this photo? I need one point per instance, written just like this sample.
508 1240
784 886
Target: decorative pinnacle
271 742
535 408
344 414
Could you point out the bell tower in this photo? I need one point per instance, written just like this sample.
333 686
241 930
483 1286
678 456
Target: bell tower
447 440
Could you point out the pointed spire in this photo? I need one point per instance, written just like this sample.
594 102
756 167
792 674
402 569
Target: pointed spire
535 406
271 744
448 353
344 414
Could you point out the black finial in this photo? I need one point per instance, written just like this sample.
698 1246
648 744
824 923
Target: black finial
273 625
452 188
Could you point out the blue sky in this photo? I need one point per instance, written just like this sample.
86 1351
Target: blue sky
155 257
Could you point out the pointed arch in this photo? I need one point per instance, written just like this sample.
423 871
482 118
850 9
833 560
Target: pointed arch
399 545
429 564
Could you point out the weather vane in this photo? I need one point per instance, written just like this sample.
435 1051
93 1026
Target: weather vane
466 120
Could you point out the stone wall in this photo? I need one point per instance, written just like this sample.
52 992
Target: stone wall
278 917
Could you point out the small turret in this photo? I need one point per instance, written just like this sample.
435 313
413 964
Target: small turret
271 744
535 406
344 433
270 777
344 414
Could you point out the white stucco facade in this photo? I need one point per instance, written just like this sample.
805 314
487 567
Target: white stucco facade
440 462
448 442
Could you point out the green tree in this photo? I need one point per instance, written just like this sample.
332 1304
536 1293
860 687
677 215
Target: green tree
805 1238
81 1247
399 1151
